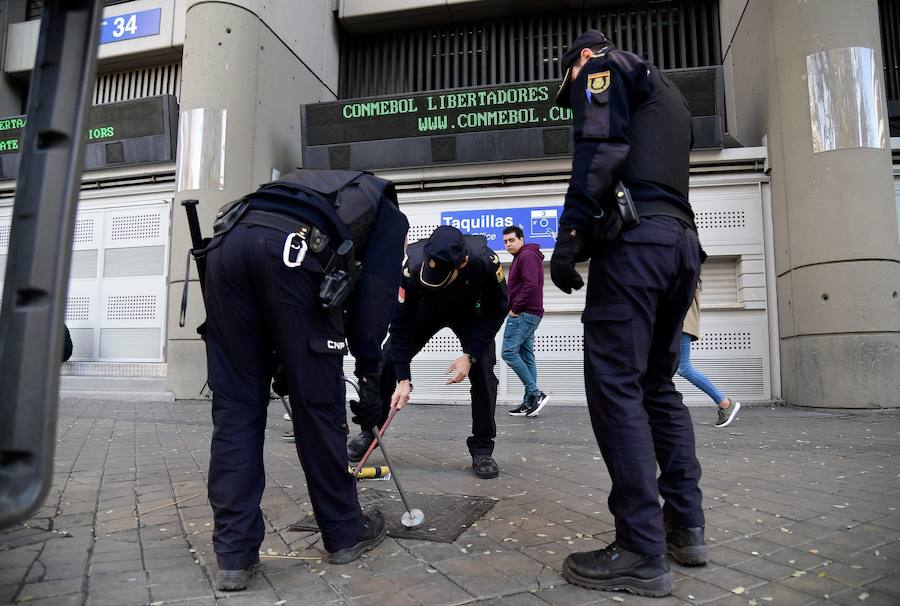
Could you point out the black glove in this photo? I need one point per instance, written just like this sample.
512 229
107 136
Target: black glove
367 411
569 243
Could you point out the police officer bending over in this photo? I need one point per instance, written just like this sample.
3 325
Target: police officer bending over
456 281
632 125
290 264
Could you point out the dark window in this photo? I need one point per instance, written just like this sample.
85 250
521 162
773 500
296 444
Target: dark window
889 13
889 19
670 33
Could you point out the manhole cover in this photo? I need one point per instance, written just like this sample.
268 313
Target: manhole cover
446 515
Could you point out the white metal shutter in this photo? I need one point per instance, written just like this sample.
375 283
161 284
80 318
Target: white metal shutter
5 223
133 290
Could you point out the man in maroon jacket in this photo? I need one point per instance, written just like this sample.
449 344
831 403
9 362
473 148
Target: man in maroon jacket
526 308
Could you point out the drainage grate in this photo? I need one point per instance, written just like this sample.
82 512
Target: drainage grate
446 515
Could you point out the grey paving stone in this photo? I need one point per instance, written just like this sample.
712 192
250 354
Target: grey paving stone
13 575
61 600
692 590
871 597
478 578
889 584
49 589
570 595
7 592
820 476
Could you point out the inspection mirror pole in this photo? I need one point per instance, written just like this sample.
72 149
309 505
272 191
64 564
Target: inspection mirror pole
37 269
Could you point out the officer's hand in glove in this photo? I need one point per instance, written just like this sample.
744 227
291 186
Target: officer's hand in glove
562 263
367 411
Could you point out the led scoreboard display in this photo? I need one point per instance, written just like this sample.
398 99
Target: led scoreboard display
485 124
129 132
440 113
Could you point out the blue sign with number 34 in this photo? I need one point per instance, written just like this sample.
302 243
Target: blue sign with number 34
130 25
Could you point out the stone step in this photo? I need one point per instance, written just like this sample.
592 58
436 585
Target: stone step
131 389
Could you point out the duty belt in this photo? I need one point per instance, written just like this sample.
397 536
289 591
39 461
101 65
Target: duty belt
654 208
310 238
340 268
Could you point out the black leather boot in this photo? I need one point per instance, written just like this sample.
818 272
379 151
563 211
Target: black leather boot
236 579
686 546
617 569
359 445
372 534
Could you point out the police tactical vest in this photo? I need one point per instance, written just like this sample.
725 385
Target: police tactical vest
343 203
660 135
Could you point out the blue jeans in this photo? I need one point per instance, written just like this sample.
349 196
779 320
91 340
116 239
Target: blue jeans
518 349
686 370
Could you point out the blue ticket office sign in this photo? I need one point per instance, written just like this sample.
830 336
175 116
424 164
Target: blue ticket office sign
540 224
130 25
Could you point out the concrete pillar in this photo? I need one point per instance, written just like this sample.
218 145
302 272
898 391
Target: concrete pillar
837 252
251 60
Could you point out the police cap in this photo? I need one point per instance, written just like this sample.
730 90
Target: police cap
444 251
589 39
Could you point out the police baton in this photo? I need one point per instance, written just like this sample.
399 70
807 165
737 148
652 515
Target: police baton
197 244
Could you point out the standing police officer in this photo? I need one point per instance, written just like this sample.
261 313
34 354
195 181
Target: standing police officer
456 281
289 266
632 132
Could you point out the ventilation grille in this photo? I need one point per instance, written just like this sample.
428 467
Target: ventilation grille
135 227
130 343
719 280
670 33
78 309
724 341
131 307
138 84
84 230
82 343
420 232
558 343
721 219
738 378
443 342
4 235
134 261
84 264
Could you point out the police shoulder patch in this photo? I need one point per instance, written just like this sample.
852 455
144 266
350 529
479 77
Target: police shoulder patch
599 82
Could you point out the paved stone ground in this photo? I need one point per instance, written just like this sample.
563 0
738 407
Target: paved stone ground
801 509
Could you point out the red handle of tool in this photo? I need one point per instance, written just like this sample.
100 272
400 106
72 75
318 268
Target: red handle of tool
374 443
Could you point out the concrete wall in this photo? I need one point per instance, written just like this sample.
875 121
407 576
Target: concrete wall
257 64
836 242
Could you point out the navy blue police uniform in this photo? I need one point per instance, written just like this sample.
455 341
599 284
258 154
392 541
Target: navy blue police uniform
264 292
632 128
473 306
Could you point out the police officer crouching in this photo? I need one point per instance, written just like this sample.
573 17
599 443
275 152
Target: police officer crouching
627 209
294 268
456 281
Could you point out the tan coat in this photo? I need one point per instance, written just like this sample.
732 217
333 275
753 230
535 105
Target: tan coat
692 319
